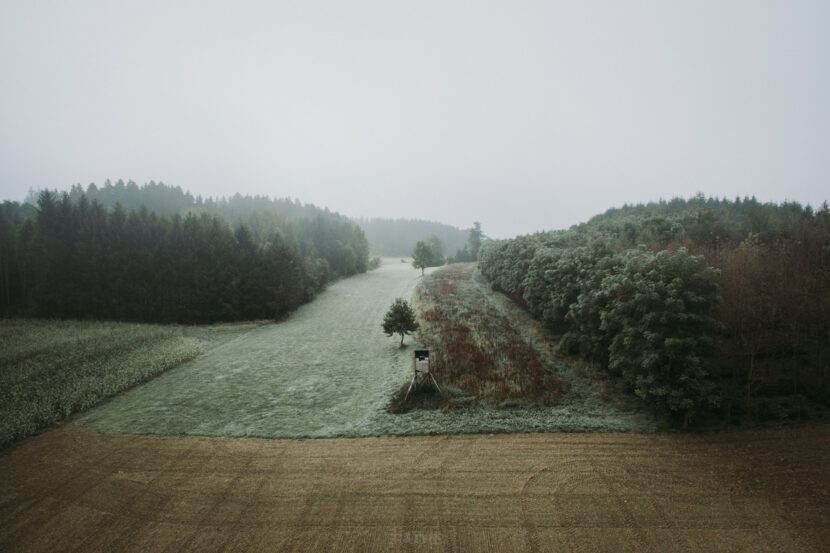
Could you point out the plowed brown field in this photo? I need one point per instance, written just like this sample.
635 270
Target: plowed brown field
73 489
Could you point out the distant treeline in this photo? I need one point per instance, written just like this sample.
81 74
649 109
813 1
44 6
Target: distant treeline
397 237
431 252
155 253
392 237
701 305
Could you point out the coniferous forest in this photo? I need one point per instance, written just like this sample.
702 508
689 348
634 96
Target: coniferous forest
154 253
702 306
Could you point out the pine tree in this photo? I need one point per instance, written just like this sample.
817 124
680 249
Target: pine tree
474 241
400 319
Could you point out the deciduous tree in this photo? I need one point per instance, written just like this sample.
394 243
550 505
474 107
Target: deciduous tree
421 256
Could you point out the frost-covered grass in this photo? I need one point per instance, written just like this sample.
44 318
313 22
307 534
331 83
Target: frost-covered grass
328 370
52 369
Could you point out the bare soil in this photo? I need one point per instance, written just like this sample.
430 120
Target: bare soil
73 489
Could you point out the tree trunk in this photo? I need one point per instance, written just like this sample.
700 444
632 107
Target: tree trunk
8 285
402 335
422 271
4 279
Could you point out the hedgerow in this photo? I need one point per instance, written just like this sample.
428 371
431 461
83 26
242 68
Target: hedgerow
693 302
647 317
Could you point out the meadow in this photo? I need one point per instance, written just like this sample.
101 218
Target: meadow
50 370
326 371
329 371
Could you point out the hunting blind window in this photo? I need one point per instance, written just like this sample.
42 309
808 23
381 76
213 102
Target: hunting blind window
421 362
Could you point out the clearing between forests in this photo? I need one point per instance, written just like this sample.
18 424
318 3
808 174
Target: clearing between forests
329 371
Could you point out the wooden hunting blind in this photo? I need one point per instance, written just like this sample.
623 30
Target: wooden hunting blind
420 363
422 360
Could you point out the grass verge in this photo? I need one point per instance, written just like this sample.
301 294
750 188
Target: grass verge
475 347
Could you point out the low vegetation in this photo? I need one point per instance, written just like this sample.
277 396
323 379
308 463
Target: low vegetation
475 348
52 369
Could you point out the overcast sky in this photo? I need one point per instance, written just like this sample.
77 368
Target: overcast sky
522 115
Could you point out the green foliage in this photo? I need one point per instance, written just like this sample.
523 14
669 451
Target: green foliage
428 253
644 316
591 333
400 319
623 291
469 252
474 240
659 318
648 317
222 260
422 256
436 248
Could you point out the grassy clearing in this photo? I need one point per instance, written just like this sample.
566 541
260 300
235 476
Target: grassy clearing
52 369
327 371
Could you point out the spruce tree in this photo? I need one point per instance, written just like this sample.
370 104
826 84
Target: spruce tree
400 319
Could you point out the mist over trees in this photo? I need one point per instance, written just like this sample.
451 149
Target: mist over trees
422 256
397 237
156 197
701 305
212 260
470 250
430 252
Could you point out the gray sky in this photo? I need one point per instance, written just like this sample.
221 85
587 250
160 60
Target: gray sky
522 115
